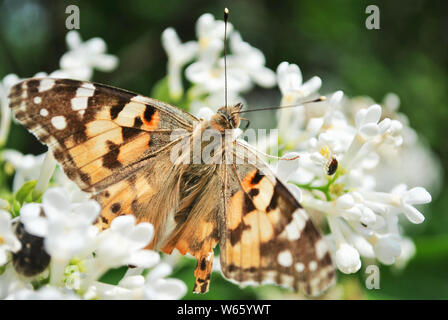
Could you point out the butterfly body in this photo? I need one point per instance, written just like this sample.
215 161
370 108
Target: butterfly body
130 153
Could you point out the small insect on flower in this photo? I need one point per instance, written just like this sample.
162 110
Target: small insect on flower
332 166
32 258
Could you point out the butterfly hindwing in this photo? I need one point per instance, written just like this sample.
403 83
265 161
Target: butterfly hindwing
268 236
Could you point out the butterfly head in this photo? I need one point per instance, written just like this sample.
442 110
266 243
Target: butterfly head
227 117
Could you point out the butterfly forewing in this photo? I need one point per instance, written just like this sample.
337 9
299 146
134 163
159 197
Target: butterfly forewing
94 130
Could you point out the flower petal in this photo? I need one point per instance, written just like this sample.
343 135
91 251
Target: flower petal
417 195
413 214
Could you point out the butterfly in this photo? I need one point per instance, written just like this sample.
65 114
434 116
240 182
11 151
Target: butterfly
118 146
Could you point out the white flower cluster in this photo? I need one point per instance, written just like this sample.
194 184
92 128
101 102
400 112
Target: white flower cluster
77 63
363 220
348 136
245 65
80 255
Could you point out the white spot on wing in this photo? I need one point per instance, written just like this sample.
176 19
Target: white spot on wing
37 100
85 92
294 228
321 248
46 84
299 267
313 265
285 258
43 112
22 106
24 90
59 122
79 103
88 85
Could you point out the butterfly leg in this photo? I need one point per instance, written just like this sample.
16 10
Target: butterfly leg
247 123
203 272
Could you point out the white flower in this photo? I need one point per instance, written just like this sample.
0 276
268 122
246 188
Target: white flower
368 128
3 204
402 200
27 166
347 259
284 169
216 100
178 55
75 193
123 244
245 65
157 287
409 198
407 252
210 34
289 79
387 248
367 121
48 167
83 57
10 282
135 286
250 59
205 113
8 240
67 228
210 76
5 113
44 293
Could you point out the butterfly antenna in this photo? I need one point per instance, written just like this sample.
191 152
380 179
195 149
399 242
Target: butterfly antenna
226 18
321 98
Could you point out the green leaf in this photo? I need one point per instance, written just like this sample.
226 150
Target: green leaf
25 191
432 248
161 91
113 276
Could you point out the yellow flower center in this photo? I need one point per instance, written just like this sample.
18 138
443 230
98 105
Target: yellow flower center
325 152
215 73
337 189
204 42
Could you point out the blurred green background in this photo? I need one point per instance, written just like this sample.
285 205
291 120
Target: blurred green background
408 56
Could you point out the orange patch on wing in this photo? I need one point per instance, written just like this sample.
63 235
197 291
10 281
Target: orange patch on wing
95 147
96 171
247 182
153 123
233 253
250 242
132 150
97 127
260 226
235 210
